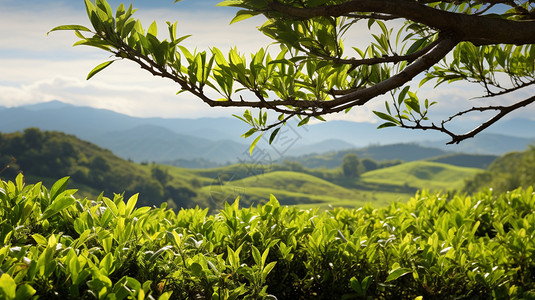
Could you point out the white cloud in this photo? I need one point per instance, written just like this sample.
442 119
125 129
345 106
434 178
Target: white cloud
37 68
144 101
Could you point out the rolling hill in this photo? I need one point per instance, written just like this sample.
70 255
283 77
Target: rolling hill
422 174
480 161
47 156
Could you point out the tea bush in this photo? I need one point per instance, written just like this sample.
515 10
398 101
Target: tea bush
56 245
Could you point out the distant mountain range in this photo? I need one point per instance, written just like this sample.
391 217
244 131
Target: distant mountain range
218 139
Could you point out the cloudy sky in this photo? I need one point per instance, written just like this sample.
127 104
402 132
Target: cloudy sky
37 68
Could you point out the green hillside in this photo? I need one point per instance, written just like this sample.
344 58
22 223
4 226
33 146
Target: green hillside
422 175
289 187
480 161
383 154
512 170
47 156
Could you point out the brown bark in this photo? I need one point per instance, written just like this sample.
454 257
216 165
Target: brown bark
480 30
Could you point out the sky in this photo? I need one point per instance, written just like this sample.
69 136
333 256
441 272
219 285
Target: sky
37 68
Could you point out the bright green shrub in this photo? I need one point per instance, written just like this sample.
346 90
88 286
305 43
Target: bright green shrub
55 245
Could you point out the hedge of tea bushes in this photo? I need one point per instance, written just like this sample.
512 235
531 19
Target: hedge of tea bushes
54 245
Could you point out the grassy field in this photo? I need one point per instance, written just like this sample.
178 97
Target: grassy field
422 174
378 187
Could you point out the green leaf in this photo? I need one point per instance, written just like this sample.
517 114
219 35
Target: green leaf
196 269
254 144
131 204
247 115
24 291
303 122
242 15
156 254
386 117
106 265
153 29
39 239
167 295
256 255
58 187
111 205
413 104
320 118
402 94
230 3
370 23
355 285
249 133
273 135
396 273
99 68
57 206
387 124
69 27
8 286
268 269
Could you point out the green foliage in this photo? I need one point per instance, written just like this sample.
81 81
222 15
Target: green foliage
468 247
351 166
508 172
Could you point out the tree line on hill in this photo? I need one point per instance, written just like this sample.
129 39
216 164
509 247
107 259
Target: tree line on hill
48 155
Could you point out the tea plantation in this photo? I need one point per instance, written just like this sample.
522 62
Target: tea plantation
54 245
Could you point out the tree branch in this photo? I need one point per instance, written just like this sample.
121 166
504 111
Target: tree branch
384 59
480 30
457 138
360 97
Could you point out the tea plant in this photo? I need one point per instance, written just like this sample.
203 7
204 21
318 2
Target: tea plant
56 245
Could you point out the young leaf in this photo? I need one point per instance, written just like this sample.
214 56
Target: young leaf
396 273
8 286
386 117
303 122
58 187
57 206
249 133
273 135
242 15
268 269
99 68
131 204
386 124
254 144
69 27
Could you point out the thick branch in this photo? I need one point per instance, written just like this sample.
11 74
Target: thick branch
384 59
360 97
480 30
